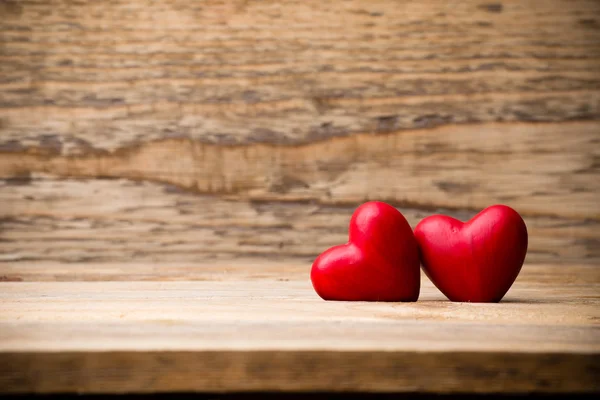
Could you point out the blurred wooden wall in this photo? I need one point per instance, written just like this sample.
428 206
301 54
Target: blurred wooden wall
166 132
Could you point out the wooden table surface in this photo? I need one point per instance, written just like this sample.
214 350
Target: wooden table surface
227 331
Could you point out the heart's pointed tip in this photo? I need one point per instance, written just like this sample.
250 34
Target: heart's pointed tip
370 299
411 300
475 300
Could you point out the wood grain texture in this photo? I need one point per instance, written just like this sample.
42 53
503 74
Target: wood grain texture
432 104
91 221
80 75
269 334
536 169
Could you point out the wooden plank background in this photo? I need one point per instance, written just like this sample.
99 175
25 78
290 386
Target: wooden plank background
179 130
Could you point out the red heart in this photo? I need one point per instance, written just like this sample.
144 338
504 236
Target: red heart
476 261
380 262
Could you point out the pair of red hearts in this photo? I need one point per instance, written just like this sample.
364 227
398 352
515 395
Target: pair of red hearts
476 261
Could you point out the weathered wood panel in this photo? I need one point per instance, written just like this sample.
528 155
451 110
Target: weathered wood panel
120 72
106 221
538 169
435 105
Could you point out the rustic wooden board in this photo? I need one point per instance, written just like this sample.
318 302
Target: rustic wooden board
82 76
274 333
93 221
534 168
432 106
165 101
